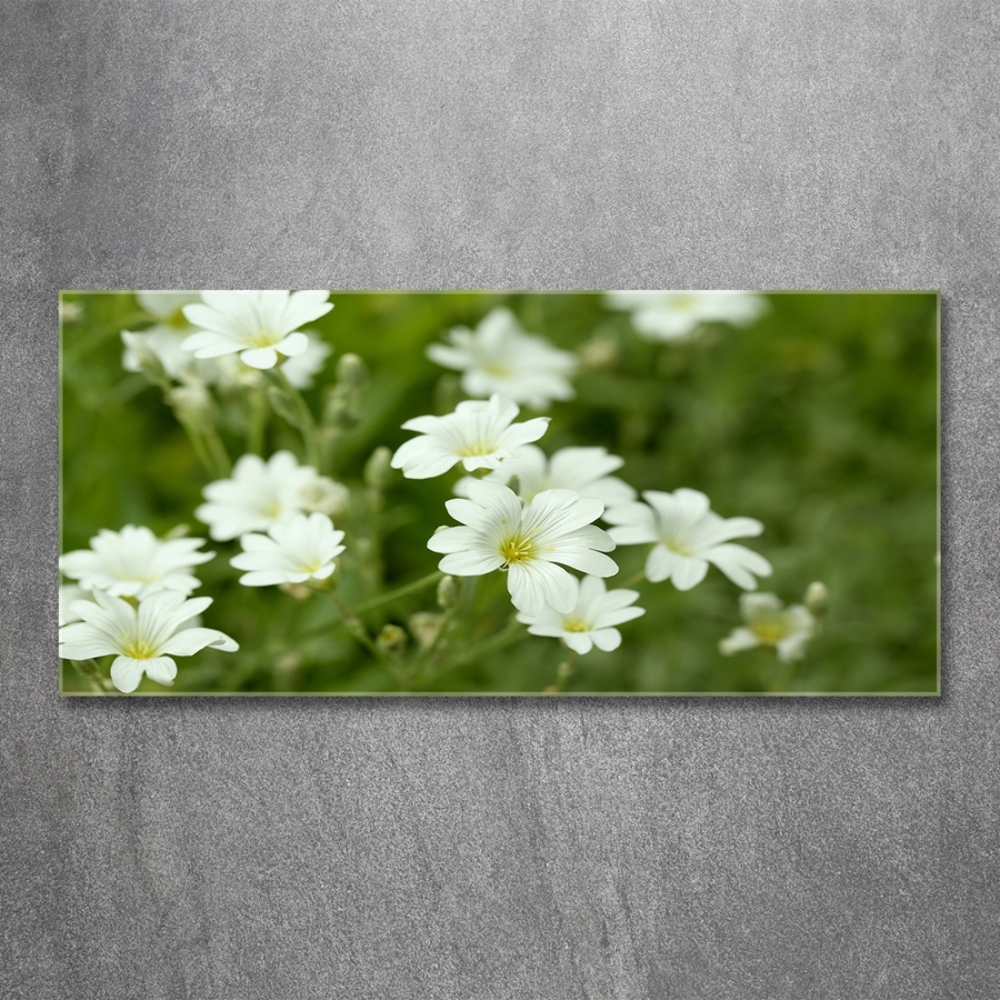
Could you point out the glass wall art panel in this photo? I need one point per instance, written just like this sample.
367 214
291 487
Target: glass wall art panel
470 493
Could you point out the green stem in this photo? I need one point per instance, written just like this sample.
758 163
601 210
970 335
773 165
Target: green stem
258 423
563 673
376 602
218 451
92 671
307 425
355 626
198 444
513 632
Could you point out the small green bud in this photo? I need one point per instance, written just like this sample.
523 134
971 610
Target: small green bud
178 531
326 496
392 639
339 409
447 593
378 471
351 370
191 401
601 351
817 599
297 590
282 404
425 627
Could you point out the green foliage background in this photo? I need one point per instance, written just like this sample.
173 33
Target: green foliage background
821 420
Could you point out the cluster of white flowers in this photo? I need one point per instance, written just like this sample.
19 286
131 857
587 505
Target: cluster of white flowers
524 512
669 316
131 600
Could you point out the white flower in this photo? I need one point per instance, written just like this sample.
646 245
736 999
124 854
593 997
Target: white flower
145 638
258 495
326 496
68 593
133 562
301 369
500 357
590 621
167 305
676 315
584 470
770 623
257 325
478 434
688 537
498 533
302 548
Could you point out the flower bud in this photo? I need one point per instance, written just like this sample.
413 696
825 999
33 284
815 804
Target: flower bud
339 410
69 312
139 356
178 531
392 639
601 351
425 627
817 598
447 593
326 496
297 590
191 401
378 472
351 370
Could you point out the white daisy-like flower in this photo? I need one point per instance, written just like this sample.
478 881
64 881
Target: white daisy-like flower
145 638
257 325
258 495
162 341
299 549
688 536
500 357
479 434
301 369
68 593
584 470
770 623
669 316
591 620
133 562
527 541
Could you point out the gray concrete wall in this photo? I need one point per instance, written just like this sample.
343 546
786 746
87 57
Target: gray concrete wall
223 849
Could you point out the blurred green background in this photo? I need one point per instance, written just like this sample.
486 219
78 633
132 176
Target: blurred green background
821 420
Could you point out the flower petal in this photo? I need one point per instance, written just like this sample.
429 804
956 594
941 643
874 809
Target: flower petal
259 357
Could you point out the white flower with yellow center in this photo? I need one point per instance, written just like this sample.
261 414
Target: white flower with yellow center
500 357
258 495
145 638
591 620
302 548
770 623
669 316
584 470
133 562
688 536
479 434
527 541
257 325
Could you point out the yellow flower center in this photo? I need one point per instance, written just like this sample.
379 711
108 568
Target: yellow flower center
478 448
138 649
497 368
769 632
311 567
683 301
678 547
262 338
575 625
517 549
271 509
